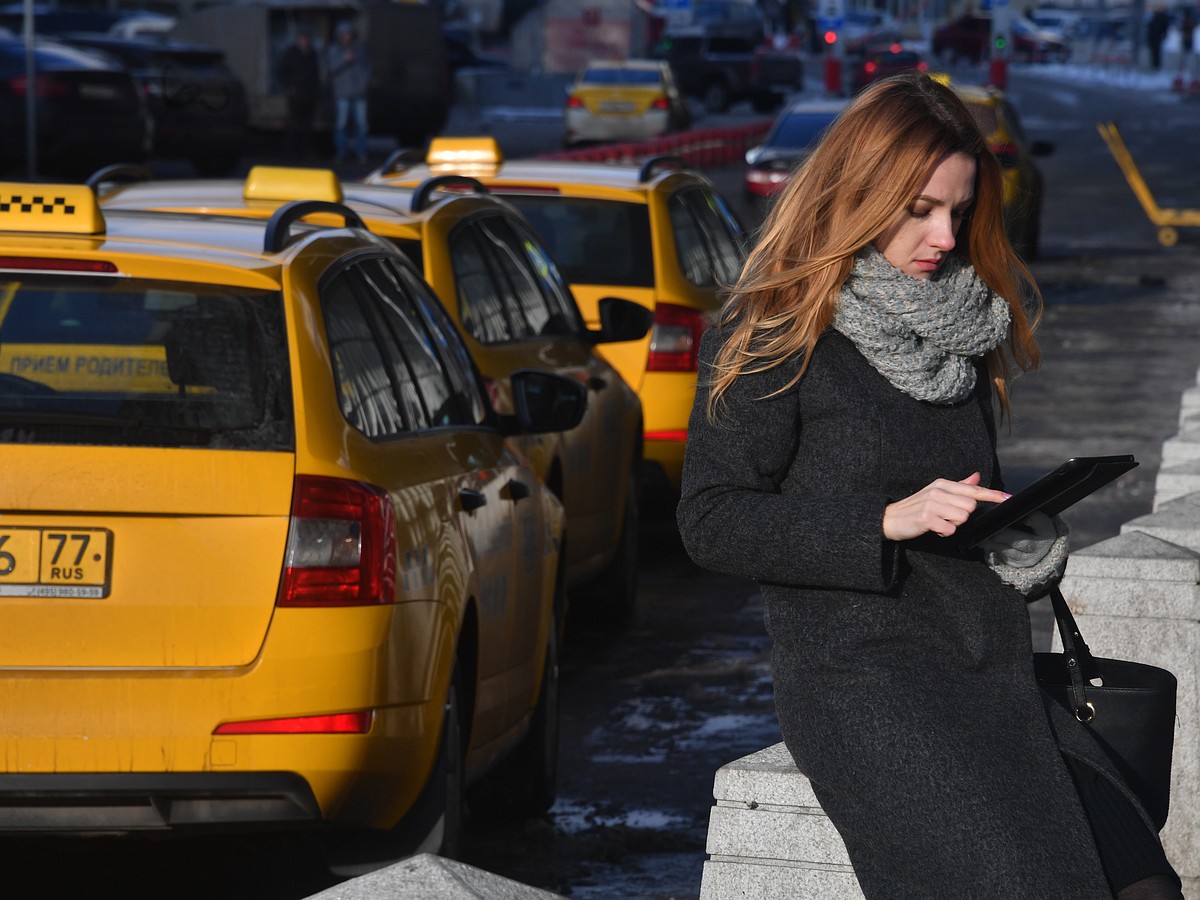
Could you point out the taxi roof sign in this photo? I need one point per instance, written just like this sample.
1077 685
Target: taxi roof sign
464 155
292 183
53 208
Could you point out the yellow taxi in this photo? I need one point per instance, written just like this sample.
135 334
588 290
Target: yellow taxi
514 311
657 233
266 555
623 100
1023 184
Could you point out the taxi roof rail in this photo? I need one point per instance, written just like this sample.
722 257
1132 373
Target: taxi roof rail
655 164
401 159
420 197
119 173
281 221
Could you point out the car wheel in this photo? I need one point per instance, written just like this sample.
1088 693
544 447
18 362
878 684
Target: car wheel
435 822
526 783
611 597
716 97
450 773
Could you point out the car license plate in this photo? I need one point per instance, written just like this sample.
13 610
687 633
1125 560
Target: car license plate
55 562
613 106
98 91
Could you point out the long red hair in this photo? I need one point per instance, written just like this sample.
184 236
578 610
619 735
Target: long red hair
865 173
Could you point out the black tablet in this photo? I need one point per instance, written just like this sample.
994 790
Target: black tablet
1051 494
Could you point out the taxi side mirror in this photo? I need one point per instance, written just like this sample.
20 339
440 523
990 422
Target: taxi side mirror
621 320
543 402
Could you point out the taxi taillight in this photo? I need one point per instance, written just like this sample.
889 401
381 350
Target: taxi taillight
43 86
660 103
48 264
574 102
341 547
675 339
337 723
1006 155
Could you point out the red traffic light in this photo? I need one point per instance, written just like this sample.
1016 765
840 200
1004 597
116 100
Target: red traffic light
831 37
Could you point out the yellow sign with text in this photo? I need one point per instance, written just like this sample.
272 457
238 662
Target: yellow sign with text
90 367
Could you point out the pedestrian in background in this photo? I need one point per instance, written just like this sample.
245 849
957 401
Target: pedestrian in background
844 428
1156 33
299 75
349 78
1187 46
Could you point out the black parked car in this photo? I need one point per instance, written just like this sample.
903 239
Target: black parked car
197 105
89 110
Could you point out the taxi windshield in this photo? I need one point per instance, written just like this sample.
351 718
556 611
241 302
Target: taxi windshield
132 362
593 241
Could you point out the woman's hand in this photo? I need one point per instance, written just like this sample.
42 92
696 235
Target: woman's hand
939 507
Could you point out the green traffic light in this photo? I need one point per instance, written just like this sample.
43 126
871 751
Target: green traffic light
1001 43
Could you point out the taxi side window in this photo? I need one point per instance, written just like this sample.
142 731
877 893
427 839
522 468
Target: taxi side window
365 390
418 366
693 255
527 308
705 238
564 317
460 368
480 304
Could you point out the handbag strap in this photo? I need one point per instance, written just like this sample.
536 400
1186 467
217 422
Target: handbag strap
1081 665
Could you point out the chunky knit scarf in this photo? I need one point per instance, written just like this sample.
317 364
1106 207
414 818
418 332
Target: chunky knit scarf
921 334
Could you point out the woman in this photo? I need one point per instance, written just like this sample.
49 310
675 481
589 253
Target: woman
843 430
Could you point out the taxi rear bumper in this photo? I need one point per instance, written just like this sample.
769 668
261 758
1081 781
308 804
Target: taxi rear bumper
124 802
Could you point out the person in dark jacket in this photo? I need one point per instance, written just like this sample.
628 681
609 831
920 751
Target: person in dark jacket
844 428
300 77
1156 33
350 80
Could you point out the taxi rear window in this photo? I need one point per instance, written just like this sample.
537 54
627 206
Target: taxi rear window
593 241
143 363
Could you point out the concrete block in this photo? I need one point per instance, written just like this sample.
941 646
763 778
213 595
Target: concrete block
783 833
1189 403
1181 448
1176 521
768 837
726 880
1176 481
1137 597
1136 555
766 778
429 877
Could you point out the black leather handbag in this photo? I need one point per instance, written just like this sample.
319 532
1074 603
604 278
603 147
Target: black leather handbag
1129 707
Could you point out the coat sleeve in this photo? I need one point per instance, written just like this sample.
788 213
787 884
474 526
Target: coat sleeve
733 515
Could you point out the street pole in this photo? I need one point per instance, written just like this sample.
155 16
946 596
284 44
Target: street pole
30 96
1001 40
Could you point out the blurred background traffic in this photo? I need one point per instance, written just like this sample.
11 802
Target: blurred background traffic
209 83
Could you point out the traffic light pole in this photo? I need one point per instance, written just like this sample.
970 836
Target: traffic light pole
831 16
1001 42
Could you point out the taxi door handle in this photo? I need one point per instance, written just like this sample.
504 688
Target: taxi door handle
515 491
471 500
596 383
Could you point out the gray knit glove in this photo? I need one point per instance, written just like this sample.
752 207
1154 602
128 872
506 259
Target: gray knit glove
1031 556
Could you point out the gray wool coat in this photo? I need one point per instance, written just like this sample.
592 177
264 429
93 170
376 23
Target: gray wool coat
903 672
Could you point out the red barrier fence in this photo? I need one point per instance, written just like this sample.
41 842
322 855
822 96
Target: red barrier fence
702 148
